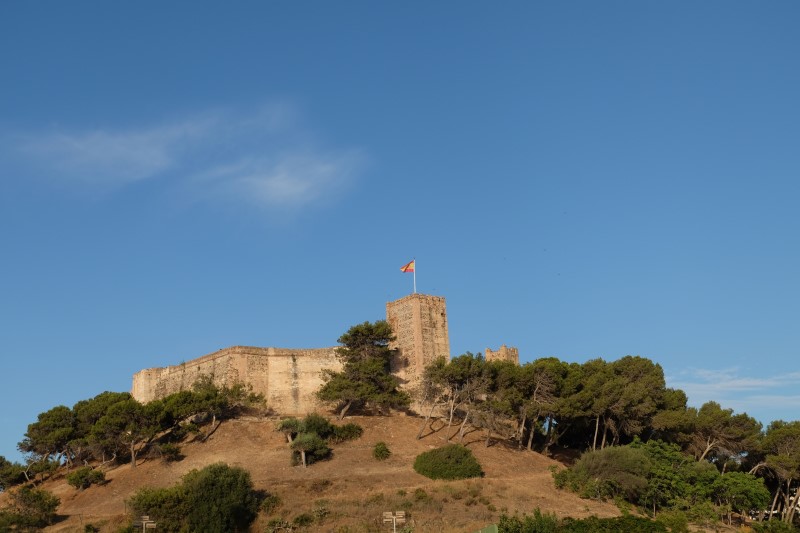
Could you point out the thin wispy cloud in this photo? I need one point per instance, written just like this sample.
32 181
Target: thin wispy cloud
263 157
739 390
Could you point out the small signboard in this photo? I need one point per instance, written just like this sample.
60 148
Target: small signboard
398 517
145 523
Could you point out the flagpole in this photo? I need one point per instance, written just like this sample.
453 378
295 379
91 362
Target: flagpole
415 275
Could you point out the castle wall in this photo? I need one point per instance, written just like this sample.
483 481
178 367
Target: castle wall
287 378
504 353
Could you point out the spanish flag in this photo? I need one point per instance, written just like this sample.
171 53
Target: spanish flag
408 268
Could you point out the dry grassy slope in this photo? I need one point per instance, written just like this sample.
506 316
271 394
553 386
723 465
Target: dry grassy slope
355 487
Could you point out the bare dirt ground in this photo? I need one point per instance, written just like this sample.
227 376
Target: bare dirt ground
352 486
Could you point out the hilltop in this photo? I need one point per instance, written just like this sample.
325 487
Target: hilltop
353 486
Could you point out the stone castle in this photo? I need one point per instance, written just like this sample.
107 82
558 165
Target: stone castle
288 378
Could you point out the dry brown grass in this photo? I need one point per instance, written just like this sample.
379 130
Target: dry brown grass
349 492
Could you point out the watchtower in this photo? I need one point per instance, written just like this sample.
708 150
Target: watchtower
419 323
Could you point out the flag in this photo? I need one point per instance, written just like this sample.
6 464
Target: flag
408 268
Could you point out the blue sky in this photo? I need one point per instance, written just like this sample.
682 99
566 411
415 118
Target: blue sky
579 180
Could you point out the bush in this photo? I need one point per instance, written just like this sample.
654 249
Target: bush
170 452
619 524
606 473
303 520
448 462
32 508
773 526
381 452
675 521
220 498
537 523
84 477
318 424
216 499
421 496
10 474
167 506
310 444
346 432
270 503
548 523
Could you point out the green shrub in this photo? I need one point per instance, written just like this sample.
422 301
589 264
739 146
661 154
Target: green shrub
216 499
32 508
277 525
310 445
10 474
84 477
773 526
619 524
170 452
270 503
536 523
606 473
303 520
448 462
548 523
346 432
167 506
420 495
381 451
321 511
315 423
675 521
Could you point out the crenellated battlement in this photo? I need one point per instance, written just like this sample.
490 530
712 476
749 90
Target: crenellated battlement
504 353
289 378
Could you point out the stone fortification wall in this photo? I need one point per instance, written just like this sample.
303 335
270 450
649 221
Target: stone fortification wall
504 353
288 378
419 322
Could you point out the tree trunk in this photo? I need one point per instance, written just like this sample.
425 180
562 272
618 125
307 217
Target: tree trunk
521 434
450 420
530 439
605 431
463 425
596 429
551 437
710 443
792 506
133 454
303 457
344 409
425 422
774 501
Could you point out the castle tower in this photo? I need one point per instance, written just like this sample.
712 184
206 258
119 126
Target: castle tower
419 322
504 353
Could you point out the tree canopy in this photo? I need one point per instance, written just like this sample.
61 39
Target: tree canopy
365 380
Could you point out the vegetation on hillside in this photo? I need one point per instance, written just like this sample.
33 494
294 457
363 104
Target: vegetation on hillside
309 438
113 427
365 380
448 462
641 442
216 499
31 508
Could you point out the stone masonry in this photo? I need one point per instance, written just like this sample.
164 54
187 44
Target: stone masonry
289 378
504 353
419 322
